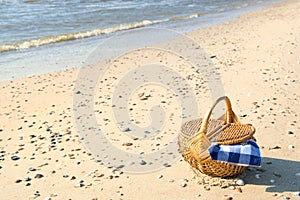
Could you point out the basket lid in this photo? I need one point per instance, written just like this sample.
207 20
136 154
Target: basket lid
235 133
218 131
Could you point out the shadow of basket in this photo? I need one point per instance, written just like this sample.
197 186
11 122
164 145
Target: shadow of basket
278 175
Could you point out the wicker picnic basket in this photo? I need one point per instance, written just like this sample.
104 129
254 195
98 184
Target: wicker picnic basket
196 136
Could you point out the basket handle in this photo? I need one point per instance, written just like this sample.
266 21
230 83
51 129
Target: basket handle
229 114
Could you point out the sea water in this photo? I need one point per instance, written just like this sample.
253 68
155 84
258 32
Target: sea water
41 36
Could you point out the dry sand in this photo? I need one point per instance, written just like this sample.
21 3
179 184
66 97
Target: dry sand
258 58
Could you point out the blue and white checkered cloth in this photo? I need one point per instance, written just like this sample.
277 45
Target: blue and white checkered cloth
245 154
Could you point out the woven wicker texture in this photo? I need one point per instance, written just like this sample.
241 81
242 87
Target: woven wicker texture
196 136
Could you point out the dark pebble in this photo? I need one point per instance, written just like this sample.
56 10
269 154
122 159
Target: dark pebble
15 157
28 179
32 169
290 132
143 162
276 147
18 181
126 130
167 165
39 176
65 175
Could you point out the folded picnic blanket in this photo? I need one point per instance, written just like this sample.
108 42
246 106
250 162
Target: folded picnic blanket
245 154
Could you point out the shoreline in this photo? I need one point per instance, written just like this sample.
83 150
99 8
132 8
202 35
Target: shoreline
15 63
257 58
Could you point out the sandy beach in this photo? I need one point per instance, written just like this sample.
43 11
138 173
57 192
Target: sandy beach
257 58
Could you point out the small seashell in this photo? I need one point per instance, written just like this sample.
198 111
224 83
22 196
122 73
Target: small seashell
231 187
272 181
291 146
183 182
297 193
240 182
